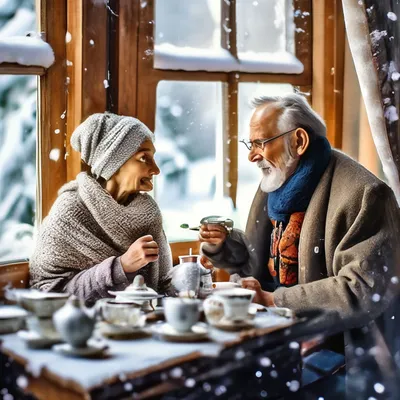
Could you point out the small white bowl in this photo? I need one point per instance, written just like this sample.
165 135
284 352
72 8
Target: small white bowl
42 304
11 319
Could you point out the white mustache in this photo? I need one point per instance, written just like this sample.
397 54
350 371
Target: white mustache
264 164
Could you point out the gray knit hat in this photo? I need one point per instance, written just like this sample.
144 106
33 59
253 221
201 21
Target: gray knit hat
106 141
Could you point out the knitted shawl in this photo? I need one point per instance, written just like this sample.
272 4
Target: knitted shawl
86 226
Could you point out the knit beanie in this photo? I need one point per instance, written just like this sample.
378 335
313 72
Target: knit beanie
106 141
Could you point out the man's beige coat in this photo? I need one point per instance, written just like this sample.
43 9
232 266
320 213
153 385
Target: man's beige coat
348 251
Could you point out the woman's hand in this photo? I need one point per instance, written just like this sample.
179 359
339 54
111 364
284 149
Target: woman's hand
213 233
261 297
206 263
140 253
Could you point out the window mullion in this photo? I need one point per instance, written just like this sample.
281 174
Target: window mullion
231 162
228 26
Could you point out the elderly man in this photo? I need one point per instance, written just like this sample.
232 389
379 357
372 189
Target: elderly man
322 230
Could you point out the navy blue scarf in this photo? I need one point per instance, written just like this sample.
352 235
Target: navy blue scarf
295 194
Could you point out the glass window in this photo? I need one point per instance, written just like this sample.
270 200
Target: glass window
194 23
18 95
188 36
273 33
249 175
188 143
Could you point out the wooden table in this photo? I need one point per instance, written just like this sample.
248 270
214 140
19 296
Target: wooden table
262 362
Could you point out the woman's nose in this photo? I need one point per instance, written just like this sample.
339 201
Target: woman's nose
155 170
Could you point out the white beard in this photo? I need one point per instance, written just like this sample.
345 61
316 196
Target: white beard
275 177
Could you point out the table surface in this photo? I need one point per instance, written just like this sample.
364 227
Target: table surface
126 358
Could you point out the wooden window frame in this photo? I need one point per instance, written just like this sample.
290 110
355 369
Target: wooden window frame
136 75
51 105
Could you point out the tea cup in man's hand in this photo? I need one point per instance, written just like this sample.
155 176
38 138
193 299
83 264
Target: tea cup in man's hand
213 234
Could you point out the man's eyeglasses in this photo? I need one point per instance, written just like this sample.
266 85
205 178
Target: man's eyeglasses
260 143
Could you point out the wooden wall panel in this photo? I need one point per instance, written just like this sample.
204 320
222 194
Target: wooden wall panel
128 35
53 105
328 66
88 77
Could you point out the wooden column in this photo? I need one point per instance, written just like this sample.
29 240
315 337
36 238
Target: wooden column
328 66
87 69
53 104
128 37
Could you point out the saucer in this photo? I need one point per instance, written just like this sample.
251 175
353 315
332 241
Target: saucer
233 325
199 332
11 318
91 350
131 295
34 341
113 331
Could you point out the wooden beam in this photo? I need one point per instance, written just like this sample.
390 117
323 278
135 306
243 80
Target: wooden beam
338 77
228 26
74 72
232 120
328 72
87 69
303 37
128 45
18 69
52 107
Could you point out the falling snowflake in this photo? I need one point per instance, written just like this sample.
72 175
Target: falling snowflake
176 372
258 374
376 297
265 362
91 42
294 386
68 37
105 83
206 387
128 386
392 16
240 354
190 382
22 381
56 131
274 374
379 388
395 76
54 154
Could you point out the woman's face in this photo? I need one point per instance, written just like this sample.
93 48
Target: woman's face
136 174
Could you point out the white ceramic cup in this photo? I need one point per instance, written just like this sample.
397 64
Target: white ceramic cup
119 313
236 302
181 313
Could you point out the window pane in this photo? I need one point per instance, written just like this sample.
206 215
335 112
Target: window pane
249 175
194 23
17 165
17 143
188 141
274 32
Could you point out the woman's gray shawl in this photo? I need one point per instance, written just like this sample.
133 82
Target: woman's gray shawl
81 240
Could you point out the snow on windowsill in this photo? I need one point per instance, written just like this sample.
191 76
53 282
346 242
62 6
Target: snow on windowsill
25 50
170 57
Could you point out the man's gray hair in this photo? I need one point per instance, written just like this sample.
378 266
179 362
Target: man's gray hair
296 113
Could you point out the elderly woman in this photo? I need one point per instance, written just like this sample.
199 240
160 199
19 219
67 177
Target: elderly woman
102 230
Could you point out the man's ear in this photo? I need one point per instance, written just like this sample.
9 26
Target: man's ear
302 141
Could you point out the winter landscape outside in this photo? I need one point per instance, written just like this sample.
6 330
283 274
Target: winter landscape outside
17 142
